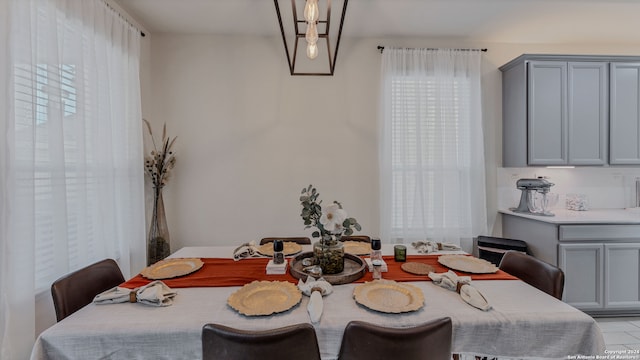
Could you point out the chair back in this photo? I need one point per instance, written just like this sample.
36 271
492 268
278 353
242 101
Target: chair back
299 240
292 342
363 238
534 272
429 341
77 289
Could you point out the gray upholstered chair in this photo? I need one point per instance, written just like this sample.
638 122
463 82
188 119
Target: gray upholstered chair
299 240
77 289
363 238
292 342
429 341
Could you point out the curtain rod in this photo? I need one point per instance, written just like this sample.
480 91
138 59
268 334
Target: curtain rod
108 5
381 48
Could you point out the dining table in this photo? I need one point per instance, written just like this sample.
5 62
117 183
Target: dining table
523 322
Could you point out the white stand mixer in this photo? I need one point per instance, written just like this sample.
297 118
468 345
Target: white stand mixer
530 203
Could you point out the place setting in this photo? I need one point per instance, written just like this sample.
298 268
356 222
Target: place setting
250 249
357 247
156 292
263 298
171 268
389 296
468 264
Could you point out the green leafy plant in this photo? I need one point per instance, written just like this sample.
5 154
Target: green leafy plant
331 220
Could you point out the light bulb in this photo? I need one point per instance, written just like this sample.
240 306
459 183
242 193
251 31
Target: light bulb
312 51
312 33
311 11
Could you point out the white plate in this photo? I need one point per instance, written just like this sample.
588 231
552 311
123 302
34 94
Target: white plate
170 268
468 264
288 248
265 297
389 296
357 247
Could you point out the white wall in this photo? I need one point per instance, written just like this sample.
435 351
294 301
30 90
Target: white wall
604 187
250 136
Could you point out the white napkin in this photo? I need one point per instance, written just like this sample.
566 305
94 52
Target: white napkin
384 267
155 293
276 269
315 306
425 247
461 285
449 280
245 250
315 289
474 297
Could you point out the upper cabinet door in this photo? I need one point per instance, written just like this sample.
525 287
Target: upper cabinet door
547 113
624 114
579 110
588 84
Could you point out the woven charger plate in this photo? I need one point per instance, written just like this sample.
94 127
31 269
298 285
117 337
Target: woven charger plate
468 264
265 297
389 296
288 248
417 268
170 268
357 247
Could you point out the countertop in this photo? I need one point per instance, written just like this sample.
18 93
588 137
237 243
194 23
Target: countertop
593 216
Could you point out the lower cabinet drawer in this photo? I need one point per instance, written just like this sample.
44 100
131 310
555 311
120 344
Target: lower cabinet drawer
599 232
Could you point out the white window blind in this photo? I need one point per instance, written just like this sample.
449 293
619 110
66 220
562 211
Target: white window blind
50 165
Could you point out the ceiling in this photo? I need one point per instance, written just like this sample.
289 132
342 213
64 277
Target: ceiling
509 21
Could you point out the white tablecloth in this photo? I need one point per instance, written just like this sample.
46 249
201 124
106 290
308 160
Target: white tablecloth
523 323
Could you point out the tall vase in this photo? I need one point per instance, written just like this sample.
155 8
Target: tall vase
158 244
329 255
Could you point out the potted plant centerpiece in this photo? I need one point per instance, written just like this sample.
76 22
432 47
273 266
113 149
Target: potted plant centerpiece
332 223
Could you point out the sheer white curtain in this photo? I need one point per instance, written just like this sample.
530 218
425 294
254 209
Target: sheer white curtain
72 171
432 177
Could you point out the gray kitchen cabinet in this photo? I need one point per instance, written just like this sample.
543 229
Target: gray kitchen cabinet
547 113
567 119
601 261
583 270
601 276
588 99
556 110
625 115
622 276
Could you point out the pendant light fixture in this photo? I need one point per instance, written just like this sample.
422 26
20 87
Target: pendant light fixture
311 16
320 35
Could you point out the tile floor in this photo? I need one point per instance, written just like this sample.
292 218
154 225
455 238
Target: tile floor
620 333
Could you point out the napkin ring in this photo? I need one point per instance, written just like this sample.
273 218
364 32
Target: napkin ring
459 286
132 296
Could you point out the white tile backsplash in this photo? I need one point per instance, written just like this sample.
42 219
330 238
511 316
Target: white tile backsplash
604 187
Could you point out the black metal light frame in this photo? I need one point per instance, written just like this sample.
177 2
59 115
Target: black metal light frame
300 35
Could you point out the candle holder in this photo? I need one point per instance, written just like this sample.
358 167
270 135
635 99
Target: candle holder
400 253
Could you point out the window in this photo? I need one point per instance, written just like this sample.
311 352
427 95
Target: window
431 157
71 168
420 152
76 136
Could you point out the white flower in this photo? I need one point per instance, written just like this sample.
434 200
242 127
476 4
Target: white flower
332 218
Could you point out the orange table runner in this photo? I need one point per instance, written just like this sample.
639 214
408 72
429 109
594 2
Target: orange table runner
227 272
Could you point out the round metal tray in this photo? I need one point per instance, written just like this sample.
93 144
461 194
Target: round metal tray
354 269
